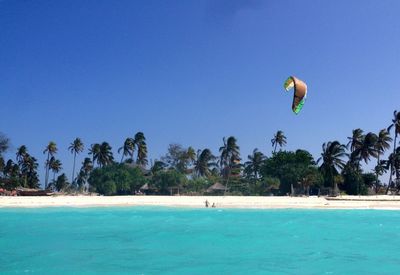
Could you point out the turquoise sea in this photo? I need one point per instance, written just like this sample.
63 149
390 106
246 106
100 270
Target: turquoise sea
146 240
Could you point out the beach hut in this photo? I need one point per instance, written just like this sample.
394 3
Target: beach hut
216 188
146 189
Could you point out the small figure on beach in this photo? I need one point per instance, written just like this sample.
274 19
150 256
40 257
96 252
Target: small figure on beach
213 205
207 203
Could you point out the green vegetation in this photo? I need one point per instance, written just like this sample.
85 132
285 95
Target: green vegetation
116 179
184 170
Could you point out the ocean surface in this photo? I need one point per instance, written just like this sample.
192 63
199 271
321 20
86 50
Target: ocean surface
147 240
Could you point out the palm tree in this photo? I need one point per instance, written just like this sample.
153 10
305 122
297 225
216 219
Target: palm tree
191 158
366 148
8 169
4 143
2 165
55 166
396 125
105 155
157 167
23 160
381 145
332 162
379 170
141 145
253 165
279 139
393 163
51 150
21 153
127 149
86 169
204 163
355 140
230 158
94 151
75 147
28 169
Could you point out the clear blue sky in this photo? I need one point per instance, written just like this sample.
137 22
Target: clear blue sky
192 72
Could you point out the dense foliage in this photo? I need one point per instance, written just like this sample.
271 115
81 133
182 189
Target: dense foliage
187 171
116 179
293 169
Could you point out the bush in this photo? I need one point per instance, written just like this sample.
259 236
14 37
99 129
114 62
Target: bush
163 181
116 179
197 185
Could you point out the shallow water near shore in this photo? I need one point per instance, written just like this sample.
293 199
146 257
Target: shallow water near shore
154 240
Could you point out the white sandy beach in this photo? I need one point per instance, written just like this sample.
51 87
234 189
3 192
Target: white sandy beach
345 202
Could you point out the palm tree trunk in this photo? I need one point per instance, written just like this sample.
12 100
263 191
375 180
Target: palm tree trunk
46 180
358 183
122 158
391 166
377 175
227 182
73 168
334 184
276 144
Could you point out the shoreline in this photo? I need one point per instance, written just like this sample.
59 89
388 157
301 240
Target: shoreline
243 202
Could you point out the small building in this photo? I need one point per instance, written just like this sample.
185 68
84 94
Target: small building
147 189
217 188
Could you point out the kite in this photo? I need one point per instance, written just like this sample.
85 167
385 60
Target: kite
300 92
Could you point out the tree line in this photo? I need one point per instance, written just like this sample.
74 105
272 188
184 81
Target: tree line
190 171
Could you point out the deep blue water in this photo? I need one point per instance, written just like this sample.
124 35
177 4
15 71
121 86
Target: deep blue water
144 240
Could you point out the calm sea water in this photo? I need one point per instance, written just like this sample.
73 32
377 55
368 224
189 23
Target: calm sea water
198 241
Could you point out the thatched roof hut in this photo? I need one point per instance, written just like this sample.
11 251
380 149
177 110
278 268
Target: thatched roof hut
216 187
145 187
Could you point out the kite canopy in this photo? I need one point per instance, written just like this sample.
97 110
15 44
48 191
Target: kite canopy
300 92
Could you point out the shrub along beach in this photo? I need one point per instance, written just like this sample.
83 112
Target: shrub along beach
187 171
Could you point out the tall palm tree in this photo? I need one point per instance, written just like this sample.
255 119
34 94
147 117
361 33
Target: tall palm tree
22 151
396 125
230 158
332 162
2 165
141 146
279 139
204 163
75 148
28 168
127 149
55 166
157 167
105 155
393 163
24 161
50 150
191 158
355 140
4 143
87 166
253 165
366 148
94 151
8 169
86 169
381 145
